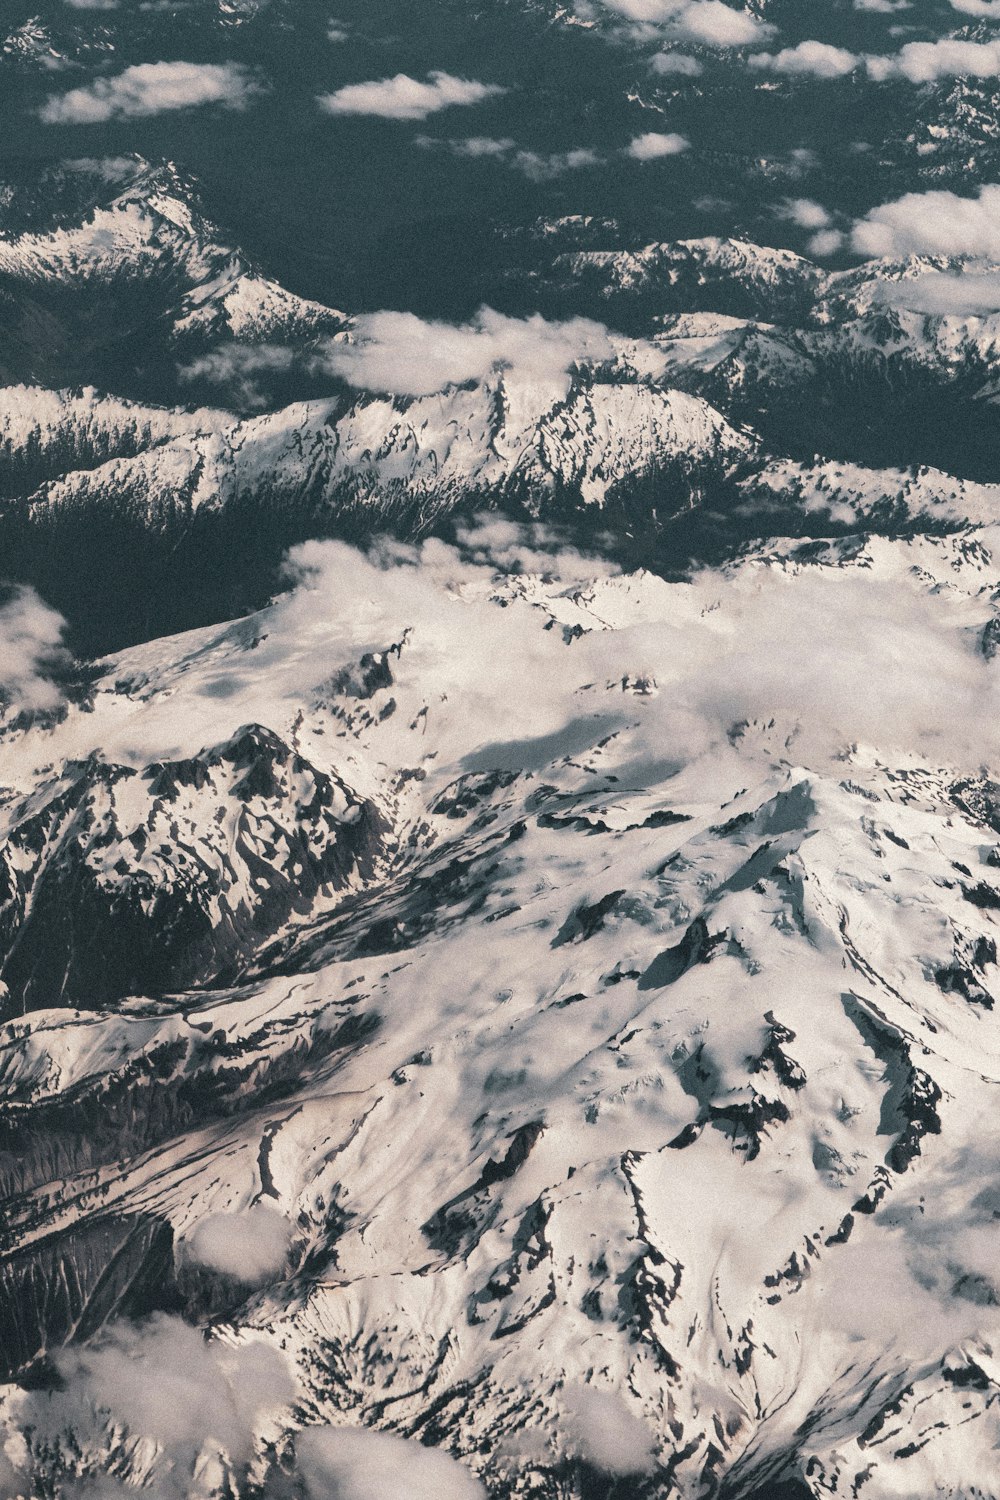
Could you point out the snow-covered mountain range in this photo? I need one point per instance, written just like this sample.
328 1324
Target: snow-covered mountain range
738 367
688 954
499 776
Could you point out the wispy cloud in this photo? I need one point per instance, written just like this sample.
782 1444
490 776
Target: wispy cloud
31 650
242 368
543 166
405 98
540 166
152 89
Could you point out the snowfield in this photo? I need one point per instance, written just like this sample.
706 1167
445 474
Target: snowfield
628 1110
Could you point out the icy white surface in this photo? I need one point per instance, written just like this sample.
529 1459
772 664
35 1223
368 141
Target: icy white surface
638 1116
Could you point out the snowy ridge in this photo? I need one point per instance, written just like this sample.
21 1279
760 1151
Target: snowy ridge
752 951
151 238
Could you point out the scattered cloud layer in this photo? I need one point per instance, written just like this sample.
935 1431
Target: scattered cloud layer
545 166
917 62
728 648
152 89
824 239
405 98
250 1247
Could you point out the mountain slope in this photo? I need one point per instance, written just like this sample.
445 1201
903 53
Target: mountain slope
629 947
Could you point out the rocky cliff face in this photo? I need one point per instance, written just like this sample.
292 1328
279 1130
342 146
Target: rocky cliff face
119 880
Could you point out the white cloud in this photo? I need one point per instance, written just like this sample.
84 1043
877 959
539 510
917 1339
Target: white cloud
941 293
882 7
727 648
933 223
651 12
651 146
93 4
239 368
250 1247
539 166
670 62
358 1463
152 89
470 145
987 8
923 62
919 62
403 354
30 650
826 242
405 98
805 213
602 1430
708 22
819 59
542 168
161 1385
718 25
107 168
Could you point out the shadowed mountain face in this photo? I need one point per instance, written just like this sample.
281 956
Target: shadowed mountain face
499 777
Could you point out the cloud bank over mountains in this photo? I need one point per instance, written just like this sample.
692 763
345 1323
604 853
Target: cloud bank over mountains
938 222
407 355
